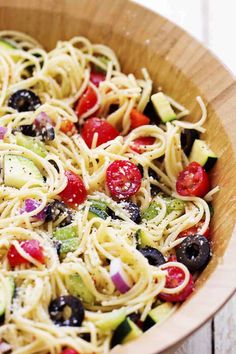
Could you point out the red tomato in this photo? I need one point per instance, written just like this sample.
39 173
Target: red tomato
174 278
193 181
96 78
69 351
123 179
138 145
68 127
75 192
32 247
104 129
195 230
86 101
137 119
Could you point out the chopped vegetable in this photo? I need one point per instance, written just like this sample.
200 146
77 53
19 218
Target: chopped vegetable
32 204
137 119
120 279
111 320
32 247
125 332
86 102
32 144
163 107
152 211
68 127
24 101
105 131
202 154
77 288
56 311
193 181
75 192
3 131
123 179
96 78
195 230
138 145
157 315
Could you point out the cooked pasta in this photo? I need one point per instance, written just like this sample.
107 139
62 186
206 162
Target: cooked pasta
59 79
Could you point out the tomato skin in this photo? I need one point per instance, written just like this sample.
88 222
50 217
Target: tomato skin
96 78
193 181
68 127
138 144
32 247
105 130
138 119
123 179
87 101
69 351
195 230
75 192
174 278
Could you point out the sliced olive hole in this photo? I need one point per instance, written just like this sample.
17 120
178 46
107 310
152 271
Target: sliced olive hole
192 251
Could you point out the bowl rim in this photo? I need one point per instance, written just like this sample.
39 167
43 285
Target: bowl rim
217 288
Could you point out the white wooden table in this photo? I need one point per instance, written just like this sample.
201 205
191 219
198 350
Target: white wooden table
213 22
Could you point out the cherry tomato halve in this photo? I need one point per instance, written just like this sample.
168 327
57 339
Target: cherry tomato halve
196 229
32 247
69 351
86 102
105 130
75 192
68 127
138 145
123 179
138 119
193 181
96 78
175 278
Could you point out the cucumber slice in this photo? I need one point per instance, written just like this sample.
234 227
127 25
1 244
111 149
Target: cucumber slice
77 287
66 232
18 170
3 295
70 245
125 332
163 107
172 204
143 238
157 315
4 44
151 212
202 154
99 204
111 320
32 144
95 212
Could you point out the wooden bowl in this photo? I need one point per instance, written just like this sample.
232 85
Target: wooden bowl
185 69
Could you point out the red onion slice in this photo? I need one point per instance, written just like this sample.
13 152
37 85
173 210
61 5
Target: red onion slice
42 120
5 347
120 279
3 131
31 205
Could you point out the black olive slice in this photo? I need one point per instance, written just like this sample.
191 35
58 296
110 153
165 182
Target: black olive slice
56 209
57 307
194 252
133 211
153 256
187 139
24 101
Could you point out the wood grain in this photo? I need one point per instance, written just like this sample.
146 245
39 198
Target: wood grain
184 69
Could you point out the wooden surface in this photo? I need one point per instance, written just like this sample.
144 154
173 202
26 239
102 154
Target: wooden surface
211 22
184 69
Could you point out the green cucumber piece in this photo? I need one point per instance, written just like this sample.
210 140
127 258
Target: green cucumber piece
18 170
104 60
157 315
32 144
163 107
202 154
4 44
152 211
95 212
66 232
125 332
11 286
143 238
77 288
70 245
99 204
111 320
